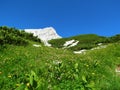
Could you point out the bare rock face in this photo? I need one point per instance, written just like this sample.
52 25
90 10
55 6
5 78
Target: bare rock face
44 34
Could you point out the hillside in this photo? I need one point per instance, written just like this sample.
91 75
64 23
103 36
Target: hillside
47 68
85 41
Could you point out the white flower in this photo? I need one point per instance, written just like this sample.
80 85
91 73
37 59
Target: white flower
57 62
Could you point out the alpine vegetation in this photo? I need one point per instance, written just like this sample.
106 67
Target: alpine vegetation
27 64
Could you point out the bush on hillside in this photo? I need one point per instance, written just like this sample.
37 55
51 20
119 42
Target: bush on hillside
82 46
58 43
115 38
15 36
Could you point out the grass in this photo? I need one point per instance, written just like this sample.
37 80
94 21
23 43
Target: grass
46 68
25 67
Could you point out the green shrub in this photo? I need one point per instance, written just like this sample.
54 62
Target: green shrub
15 36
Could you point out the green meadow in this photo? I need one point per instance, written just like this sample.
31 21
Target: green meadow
25 67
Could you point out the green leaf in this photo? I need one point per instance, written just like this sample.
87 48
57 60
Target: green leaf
91 84
84 78
82 88
76 65
31 80
26 88
21 87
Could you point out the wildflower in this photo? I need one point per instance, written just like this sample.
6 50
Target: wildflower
17 85
87 65
93 73
9 76
28 84
57 62
58 78
76 65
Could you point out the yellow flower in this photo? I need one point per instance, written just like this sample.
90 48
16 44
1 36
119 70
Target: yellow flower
9 76
28 84
87 65
17 85
93 73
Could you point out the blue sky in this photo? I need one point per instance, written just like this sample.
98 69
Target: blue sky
68 17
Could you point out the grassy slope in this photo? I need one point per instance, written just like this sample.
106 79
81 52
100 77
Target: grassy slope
56 69
86 41
45 68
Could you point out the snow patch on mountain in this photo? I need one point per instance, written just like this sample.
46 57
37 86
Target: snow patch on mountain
67 43
74 44
80 52
44 34
70 43
36 45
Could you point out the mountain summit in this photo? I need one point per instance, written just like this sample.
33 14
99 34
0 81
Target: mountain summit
44 34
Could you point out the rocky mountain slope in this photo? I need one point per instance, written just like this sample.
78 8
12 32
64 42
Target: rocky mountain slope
44 34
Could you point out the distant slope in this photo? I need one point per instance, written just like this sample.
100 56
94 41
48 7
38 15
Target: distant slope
86 41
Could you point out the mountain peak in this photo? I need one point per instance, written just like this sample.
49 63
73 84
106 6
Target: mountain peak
44 34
